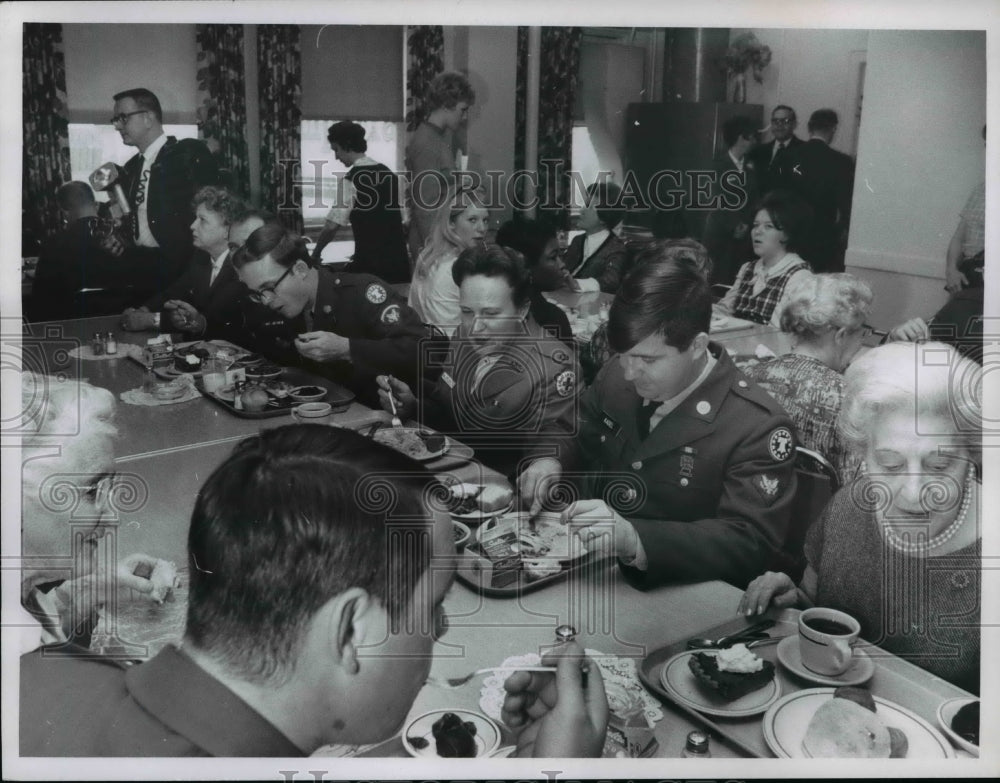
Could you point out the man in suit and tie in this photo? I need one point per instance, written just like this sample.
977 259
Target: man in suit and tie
767 159
160 182
824 178
735 196
597 258
684 460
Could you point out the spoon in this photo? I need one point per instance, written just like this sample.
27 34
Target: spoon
698 643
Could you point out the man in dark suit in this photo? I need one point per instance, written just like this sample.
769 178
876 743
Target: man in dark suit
735 196
160 182
597 258
824 178
767 159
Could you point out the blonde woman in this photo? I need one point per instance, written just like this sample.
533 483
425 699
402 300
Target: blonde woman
461 222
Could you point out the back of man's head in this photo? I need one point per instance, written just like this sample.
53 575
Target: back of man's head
823 121
144 99
294 517
76 199
661 295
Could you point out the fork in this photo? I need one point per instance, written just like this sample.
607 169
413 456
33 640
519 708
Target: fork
396 421
458 682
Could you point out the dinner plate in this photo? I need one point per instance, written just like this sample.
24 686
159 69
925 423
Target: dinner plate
859 672
946 714
680 682
398 438
487 737
786 722
478 515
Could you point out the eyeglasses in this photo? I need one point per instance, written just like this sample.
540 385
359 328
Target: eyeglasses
100 491
782 120
267 291
121 119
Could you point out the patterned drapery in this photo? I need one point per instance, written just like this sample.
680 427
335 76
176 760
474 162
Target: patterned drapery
560 64
424 61
222 114
280 78
45 162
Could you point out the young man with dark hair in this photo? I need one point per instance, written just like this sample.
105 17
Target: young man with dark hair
160 181
707 455
734 194
316 629
430 154
824 178
596 258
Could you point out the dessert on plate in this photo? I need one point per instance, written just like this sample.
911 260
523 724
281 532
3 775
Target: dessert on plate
732 672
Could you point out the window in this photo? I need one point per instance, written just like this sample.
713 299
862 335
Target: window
584 162
386 142
92 145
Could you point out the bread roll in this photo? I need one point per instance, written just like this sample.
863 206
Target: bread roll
841 729
495 498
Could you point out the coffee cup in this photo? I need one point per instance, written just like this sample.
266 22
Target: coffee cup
826 640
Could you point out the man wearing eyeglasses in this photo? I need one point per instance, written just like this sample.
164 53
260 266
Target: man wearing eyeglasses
767 159
160 182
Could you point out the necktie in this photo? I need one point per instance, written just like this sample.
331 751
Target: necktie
778 147
139 195
644 415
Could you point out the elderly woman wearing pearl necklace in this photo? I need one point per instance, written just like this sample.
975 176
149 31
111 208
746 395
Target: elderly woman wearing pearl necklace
899 548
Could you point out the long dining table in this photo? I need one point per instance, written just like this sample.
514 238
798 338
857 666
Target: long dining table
170 450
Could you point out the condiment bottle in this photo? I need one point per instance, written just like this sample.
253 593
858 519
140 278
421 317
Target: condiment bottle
565 633
97 344
238 388
110 344
697 746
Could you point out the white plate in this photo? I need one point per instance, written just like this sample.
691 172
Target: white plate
785 725
385 436
487 733
680 682
946 714
859 672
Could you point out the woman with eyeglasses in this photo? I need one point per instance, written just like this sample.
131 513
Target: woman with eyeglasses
824 317
899 548
507 386
68 499
461 222
348 327
779 230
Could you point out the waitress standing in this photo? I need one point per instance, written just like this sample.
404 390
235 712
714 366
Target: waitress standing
369 200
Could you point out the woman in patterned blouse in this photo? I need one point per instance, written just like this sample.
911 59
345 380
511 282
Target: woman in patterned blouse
824 316
779 229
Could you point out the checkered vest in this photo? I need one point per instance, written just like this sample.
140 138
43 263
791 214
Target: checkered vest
760 308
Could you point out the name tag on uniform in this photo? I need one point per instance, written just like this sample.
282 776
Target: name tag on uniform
610 424
448 380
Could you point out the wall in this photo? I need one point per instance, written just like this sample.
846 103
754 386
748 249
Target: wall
920 152
809 70
102 59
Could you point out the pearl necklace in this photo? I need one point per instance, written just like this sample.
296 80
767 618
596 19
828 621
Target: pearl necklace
921 547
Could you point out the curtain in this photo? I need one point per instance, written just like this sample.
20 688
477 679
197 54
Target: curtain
424 61
560 64
280 79
222 115
45 162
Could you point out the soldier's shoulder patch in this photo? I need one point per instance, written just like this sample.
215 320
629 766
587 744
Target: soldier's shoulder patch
375 293
391 314
565 383
780 444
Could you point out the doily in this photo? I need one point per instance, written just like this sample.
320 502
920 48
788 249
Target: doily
620 677
140 397
125 351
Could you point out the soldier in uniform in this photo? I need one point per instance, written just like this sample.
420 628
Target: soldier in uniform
350 327
505 386
689 460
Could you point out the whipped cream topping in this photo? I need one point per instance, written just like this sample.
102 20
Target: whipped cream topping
739 660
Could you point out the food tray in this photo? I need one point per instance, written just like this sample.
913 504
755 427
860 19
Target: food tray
455 455
338 397
896 680
213 346
468 573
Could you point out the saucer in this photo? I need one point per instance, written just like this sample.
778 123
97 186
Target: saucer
860 671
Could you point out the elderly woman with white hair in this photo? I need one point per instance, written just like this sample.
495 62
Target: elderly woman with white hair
68 487
824 316
899 549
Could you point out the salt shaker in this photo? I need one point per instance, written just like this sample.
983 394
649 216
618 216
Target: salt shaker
565 633
697 746
97 344
110 344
